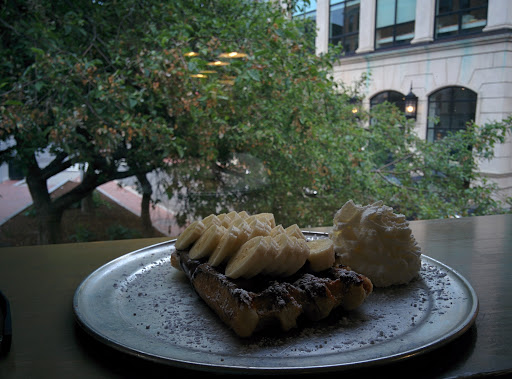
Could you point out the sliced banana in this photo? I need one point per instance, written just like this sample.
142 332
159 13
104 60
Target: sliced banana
252 258
294 230
230 218
243 214
298 258
210 220
267 217
207 243
229 243
190 235
258 228
285 248
250 245
276 230
321 254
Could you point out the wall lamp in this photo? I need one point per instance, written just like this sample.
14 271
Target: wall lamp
411 104
356 106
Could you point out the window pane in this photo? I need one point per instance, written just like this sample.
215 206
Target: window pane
447 25
478 3
384 37
404 32
474 20
385 13
444 6
405 11
393 97
352 16
337 19
302 7
344 24
351 43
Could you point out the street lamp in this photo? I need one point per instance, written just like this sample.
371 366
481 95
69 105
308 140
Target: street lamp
411 104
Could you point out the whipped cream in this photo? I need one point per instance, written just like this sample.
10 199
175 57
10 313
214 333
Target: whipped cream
376 242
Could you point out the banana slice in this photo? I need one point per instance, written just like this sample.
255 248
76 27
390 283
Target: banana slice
321 254
258 228
244 215
229 243
294 230
190 235
267 217
210 220
252 258
277 230
229 218
298 258
207 243
285 248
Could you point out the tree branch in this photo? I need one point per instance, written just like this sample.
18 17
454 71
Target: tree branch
56 166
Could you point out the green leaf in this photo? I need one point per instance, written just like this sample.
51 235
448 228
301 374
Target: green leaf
37 51
254 75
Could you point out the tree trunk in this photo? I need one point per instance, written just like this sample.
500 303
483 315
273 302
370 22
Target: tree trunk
145 214
87 204
49 217
50 230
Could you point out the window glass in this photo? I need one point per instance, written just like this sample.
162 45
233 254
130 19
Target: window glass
393 97
337 19
449 110
394 22
344 24
304 7
456 17
385 13
307 10
405 11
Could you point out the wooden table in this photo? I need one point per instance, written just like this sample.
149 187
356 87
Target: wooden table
40 282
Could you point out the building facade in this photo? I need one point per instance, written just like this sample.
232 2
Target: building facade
454 55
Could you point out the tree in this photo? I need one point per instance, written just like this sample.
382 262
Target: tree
73 82
106 85
112 86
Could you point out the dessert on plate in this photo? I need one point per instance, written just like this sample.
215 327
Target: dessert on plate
253 273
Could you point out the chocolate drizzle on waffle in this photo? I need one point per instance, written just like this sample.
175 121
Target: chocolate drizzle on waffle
248 305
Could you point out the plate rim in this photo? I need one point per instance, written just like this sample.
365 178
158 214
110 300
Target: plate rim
462 327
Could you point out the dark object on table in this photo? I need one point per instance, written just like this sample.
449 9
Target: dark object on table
5 325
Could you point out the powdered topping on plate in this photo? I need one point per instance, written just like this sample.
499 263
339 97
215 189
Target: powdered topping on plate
376 242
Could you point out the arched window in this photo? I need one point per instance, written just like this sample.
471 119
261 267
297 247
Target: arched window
393 97
449 110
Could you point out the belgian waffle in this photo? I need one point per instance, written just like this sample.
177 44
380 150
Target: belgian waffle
249 305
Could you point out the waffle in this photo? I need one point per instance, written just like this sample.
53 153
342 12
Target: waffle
250 305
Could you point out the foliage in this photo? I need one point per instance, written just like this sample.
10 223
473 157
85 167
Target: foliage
82 234
435 180
117 232
388 162
108 86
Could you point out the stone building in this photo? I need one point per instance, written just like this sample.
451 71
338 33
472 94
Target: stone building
455 56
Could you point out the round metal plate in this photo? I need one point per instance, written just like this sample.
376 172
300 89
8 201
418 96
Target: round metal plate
141 305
